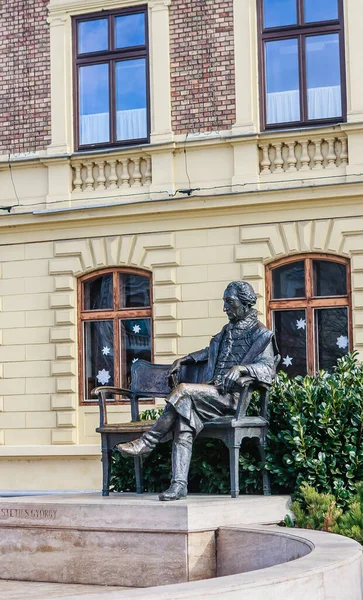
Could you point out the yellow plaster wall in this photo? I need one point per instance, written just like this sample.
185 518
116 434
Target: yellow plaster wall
23 184
68 473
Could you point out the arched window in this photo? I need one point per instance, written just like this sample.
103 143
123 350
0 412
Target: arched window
308 307
115 326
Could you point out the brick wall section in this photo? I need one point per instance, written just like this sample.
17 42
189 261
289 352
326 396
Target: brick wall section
202 65
25 76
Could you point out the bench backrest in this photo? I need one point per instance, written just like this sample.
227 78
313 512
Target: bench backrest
151 379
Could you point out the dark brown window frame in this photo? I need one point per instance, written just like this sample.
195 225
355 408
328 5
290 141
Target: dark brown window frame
110 57
310 302
110 314
300 32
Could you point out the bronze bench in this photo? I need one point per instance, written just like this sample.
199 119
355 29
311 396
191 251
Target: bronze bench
151 381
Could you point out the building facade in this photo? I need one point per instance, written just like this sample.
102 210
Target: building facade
150 152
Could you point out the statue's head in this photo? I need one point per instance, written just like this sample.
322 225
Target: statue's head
238 300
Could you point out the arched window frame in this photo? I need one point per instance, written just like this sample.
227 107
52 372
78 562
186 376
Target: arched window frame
310 302
110 314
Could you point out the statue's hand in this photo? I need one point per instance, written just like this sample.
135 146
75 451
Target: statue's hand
176 366
174 372
233 375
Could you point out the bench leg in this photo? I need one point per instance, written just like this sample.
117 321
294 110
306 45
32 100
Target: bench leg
265 473
234 470
106 471
139 474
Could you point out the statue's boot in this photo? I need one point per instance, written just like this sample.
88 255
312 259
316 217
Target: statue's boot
147 442
180 461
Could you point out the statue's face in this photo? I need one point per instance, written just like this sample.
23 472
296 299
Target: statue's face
233 307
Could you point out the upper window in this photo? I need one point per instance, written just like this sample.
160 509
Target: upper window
111 72
115 327
309 310
302 60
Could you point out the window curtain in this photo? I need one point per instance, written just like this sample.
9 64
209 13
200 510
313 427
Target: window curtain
131 125
323 102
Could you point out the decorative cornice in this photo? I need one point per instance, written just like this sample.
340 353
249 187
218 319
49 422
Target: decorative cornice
159 4
59 7
57 19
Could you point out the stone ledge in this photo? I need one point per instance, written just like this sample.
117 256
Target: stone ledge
50 451
142 513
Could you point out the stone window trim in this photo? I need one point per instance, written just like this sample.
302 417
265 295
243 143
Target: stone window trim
61 13
310 301
116 315
300 32
155 253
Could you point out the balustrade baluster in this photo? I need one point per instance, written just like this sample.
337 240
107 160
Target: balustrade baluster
344 151
318 157
125 176
331 156
89 181
112 178
148 170
305 158
279 161
265 162
101 179
77 181
137 173
291 158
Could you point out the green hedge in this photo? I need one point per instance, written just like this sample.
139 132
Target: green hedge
315 437
316 510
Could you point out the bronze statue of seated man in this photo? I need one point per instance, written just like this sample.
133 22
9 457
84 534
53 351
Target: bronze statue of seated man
244 348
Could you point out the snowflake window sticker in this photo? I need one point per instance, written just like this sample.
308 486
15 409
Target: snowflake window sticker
103 376
106 350
287 361
300 324
136 329
342 342
135 360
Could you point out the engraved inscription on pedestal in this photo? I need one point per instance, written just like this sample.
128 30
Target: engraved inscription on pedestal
31 513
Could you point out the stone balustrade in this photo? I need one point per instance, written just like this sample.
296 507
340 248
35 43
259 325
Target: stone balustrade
114 172
288 155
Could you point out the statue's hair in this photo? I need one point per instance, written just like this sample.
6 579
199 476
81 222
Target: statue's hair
244 291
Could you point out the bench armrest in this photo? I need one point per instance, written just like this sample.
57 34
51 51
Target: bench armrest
248 386
101 392
110 388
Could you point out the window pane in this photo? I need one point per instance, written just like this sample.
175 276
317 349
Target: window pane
99 364
98 293
131 99
282 81
135 344
92 35
329 278
323 10
277 13
331 335
323 76
134 291
94 104
290 331
288 281
130 30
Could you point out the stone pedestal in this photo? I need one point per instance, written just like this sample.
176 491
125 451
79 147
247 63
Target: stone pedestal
123 540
